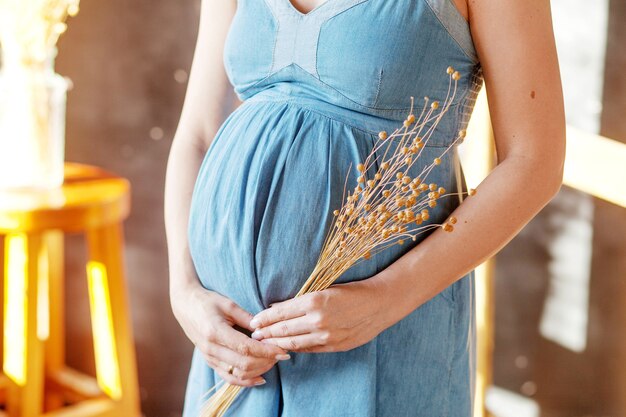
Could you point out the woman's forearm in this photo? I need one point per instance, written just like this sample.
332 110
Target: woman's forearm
505 201
183 165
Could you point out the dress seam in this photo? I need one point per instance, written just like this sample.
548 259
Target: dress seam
313 110
277 21
336 90
469 54
450 360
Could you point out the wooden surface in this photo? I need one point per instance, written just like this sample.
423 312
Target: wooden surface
89 197
94 202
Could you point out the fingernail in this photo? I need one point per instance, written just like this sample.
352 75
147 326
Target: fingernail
254 322
256 335
283 356
260 382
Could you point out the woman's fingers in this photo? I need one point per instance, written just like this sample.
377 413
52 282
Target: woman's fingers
237 315
289 327
284 310
246 346
299 342
222 367
246 366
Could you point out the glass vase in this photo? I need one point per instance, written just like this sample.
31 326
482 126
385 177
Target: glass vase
32 122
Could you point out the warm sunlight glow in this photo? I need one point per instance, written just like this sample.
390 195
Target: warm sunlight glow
15 307
43 295
596 165
107 365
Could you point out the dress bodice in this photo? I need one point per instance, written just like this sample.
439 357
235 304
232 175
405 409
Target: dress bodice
368 56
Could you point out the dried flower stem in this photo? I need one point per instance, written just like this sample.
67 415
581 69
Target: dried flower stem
375 214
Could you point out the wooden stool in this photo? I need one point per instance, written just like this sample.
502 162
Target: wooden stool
35 379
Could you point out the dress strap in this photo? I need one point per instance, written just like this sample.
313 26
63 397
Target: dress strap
456 25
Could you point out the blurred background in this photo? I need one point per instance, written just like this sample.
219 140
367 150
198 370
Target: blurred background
559 347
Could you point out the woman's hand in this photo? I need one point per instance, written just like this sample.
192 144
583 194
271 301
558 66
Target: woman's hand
339 318
207 319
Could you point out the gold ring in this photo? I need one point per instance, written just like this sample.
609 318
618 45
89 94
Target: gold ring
230 369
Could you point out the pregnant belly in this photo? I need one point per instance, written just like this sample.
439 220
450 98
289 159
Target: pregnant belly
263 201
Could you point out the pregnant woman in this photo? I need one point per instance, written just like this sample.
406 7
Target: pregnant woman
249 199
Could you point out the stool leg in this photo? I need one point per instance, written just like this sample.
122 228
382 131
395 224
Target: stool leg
55 345
105 246
23 351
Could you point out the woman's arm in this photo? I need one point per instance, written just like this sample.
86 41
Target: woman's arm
201 116
516 47
206 316
515 44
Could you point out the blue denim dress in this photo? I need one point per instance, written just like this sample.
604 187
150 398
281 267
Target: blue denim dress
317 88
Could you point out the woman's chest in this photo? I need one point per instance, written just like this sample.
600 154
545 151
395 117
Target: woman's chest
374 52
306 6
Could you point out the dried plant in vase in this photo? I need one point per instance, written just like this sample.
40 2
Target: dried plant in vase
34 26
32 95
375 214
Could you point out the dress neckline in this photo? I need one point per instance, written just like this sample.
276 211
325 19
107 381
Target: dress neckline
319 6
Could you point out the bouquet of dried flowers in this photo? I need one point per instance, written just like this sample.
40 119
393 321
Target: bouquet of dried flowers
375 214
